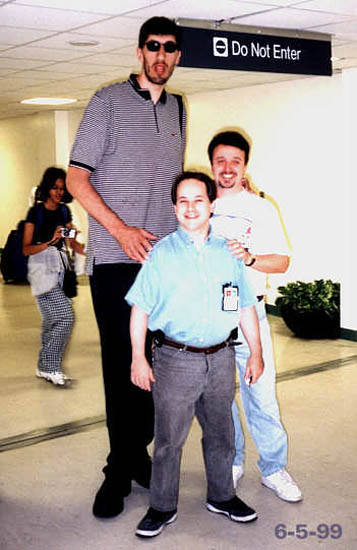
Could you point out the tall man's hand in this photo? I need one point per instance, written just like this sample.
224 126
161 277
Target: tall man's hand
135 242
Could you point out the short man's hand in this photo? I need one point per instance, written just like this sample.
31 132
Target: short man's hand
141 374
254 369
135 242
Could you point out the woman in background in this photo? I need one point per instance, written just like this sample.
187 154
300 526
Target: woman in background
43 242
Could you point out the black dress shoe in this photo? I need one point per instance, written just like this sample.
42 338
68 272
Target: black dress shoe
109 501
142 475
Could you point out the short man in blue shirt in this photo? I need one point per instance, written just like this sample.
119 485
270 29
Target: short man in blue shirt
189 292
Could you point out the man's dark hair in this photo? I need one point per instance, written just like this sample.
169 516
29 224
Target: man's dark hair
234 139
159 25
49 178
200 176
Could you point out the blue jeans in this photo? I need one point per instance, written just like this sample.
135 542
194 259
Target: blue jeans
260 406
187 383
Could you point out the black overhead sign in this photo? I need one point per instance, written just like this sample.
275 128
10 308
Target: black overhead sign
215 49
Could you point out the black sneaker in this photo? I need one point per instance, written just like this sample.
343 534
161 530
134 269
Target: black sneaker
235 509
153 522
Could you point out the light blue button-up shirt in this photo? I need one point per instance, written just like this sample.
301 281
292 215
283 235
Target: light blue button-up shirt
180 287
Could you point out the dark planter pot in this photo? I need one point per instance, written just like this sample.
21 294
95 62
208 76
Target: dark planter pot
311 324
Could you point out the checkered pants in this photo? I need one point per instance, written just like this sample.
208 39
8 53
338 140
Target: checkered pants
57 321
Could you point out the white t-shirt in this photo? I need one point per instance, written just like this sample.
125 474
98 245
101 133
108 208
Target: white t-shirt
255 223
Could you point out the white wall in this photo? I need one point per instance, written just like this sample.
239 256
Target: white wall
27 147
301 156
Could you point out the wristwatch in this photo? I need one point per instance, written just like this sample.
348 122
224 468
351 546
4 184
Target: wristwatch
252 261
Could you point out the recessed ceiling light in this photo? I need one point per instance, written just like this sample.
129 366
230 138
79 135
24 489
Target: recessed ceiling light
83 42
48 101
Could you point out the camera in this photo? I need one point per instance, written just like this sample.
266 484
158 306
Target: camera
68 232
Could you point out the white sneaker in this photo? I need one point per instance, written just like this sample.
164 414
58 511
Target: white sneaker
237 473
284 486
57 378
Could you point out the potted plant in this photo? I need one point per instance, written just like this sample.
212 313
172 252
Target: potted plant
311 310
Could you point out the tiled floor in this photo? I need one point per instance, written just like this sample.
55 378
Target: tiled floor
47 487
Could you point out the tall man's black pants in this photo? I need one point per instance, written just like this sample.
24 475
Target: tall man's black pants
130 411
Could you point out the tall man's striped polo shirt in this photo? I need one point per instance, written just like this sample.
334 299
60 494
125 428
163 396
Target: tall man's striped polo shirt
134 151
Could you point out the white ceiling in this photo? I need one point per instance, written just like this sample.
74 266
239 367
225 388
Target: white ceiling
37 59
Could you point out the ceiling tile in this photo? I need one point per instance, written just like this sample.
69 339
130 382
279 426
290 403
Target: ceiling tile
78 68
334 6
123 27
290 18
346 28
111 59
42 54
43 19
209 9
346 50
46 74
17 64
12 35
107 7
63 41
280 3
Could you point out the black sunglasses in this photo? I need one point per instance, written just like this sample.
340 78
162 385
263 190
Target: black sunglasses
154 46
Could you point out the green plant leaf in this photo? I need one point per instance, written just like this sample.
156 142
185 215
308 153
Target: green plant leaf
319 295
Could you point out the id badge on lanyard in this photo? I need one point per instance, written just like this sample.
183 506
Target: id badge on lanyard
230 297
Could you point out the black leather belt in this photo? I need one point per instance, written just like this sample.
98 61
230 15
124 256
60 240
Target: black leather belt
207 351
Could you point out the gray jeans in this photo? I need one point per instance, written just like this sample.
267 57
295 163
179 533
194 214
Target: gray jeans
184 381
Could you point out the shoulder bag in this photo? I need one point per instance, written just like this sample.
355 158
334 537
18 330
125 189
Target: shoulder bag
69 285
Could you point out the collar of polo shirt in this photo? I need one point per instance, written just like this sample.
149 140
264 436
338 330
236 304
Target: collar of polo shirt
145 94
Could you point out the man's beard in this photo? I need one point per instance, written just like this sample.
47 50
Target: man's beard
158 80
226 185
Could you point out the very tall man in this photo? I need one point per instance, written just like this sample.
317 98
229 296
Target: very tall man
127 153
